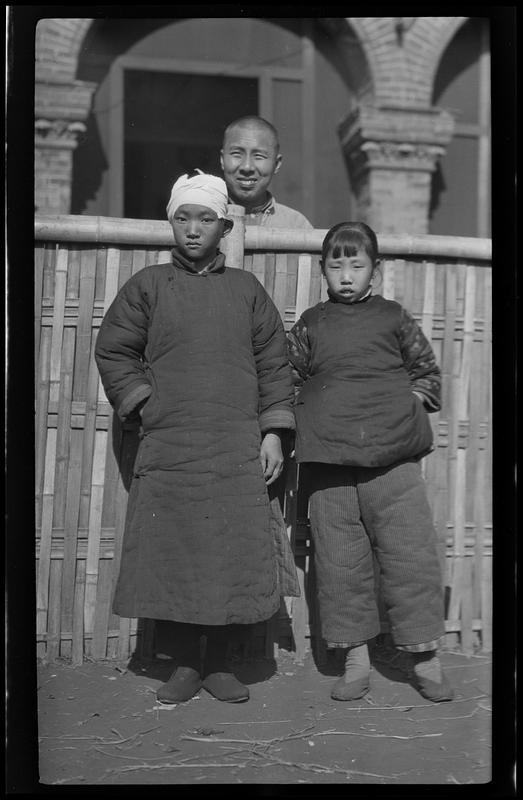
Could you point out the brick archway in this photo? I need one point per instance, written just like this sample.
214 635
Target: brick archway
392 138
59 41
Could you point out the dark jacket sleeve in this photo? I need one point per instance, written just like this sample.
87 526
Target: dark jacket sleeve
121 344
420 362
270 354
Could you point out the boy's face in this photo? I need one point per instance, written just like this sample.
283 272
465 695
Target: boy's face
348 277
249 159
197 231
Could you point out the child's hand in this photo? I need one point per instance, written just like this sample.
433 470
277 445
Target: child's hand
271 457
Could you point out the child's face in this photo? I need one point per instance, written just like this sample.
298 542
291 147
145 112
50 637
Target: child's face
197 231
348 277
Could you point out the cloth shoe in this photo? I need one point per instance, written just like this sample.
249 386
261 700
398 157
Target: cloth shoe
429 679
355 682
218 679
186 679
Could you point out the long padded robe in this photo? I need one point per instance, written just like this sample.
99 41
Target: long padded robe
208 352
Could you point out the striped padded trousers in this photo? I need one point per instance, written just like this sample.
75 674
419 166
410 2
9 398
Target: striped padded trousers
355 512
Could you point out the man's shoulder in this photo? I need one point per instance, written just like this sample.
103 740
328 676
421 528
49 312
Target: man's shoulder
286 217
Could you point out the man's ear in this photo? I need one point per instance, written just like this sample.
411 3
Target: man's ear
227 226
279 159
221 159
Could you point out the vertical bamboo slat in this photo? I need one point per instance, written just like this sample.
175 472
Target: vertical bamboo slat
427 316
91 405
51 252
42 402
467 637
258 267
103 610
460 576
77 644
280 283
303 285
53 621
64 426
232 245
95 518
138 261
84 326
72 506
58 324
270 273
38 290
486 606
46 532
388 280
73 273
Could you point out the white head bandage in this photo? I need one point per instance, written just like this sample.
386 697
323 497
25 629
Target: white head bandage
202 190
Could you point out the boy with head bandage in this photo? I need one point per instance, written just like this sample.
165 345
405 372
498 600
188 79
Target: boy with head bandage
199 350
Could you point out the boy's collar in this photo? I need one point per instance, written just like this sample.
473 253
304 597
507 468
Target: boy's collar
180 261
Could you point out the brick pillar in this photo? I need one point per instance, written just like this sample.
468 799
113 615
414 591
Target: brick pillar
60 112
391 154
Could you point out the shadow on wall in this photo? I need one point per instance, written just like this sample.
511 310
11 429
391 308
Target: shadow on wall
89 165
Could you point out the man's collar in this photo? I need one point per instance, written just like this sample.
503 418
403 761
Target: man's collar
265 208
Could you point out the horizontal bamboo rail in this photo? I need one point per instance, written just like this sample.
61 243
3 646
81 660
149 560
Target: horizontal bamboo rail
84 458
153 233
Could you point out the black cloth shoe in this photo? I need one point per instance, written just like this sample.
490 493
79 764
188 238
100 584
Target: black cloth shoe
218 678
183 684
225 686
186 680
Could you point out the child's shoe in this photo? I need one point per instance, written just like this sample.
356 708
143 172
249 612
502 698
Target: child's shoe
183 684
429 678
218 679
355 682
186 679
225 686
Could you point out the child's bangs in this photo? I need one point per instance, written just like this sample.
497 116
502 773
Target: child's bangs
347 244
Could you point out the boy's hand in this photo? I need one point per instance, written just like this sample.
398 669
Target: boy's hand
271 457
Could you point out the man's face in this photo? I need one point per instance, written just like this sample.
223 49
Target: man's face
197 232
249 159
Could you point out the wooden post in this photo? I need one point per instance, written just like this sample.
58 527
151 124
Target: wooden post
233 245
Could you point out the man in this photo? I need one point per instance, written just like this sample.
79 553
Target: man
250 157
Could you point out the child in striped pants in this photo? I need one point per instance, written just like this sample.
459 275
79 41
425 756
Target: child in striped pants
368 378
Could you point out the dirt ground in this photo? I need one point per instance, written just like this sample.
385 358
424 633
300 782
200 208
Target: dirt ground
101 724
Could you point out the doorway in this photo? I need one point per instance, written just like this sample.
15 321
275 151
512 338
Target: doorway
174 123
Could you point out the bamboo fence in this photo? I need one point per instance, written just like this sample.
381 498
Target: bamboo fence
84 456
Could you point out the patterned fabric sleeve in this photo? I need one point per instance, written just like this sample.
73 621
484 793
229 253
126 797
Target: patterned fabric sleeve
420 362
298 348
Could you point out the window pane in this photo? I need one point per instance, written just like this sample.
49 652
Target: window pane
454 190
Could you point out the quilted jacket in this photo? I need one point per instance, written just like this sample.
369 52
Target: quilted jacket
207 354
359 365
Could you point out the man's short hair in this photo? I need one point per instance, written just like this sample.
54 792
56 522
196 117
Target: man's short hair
254 122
